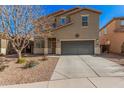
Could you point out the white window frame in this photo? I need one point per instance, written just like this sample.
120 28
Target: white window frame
87 21
105 30
64 17
122 22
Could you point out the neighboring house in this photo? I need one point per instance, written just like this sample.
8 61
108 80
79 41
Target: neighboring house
113 32
75 32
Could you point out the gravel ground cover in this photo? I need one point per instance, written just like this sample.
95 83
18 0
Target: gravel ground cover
14 73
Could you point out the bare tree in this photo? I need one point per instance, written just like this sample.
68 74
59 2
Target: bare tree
16 23
44 28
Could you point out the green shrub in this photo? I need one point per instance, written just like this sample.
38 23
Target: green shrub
2 67
1 54
30 64
44 58
21 60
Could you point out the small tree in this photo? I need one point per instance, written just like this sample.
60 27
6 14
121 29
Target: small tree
16 23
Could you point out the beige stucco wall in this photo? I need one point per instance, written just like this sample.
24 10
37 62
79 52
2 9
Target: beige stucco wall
116 42
38 50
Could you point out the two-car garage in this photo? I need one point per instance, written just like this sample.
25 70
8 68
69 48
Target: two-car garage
77 47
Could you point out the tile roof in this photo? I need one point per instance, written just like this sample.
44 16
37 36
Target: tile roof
115 18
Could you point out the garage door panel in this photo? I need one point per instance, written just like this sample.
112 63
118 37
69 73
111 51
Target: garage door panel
77 47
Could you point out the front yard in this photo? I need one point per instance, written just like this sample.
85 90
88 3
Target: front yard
18 73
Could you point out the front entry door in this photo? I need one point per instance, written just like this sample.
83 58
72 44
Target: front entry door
51 45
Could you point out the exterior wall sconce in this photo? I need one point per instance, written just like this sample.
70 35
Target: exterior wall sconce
77 35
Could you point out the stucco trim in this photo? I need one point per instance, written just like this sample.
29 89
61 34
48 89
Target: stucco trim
87 9
75 39
67 11
62 26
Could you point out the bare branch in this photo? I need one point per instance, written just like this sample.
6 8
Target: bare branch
16 24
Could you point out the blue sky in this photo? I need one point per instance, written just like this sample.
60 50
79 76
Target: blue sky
108 11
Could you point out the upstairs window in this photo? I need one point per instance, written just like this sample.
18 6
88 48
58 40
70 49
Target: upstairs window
63 20
122 22
84 20
105 31
54 25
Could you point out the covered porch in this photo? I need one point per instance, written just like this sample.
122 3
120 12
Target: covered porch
46 46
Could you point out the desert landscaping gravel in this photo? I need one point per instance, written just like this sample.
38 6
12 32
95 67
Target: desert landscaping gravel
15 74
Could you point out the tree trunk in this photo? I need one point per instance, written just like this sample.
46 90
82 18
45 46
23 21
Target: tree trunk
19 55
46 46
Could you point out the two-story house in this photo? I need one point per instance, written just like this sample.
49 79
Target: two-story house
75 32
113 32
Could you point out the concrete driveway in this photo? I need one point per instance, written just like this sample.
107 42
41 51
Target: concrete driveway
86 66
83 71
96 71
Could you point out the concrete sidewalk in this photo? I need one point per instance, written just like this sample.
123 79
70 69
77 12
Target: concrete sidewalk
96 82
